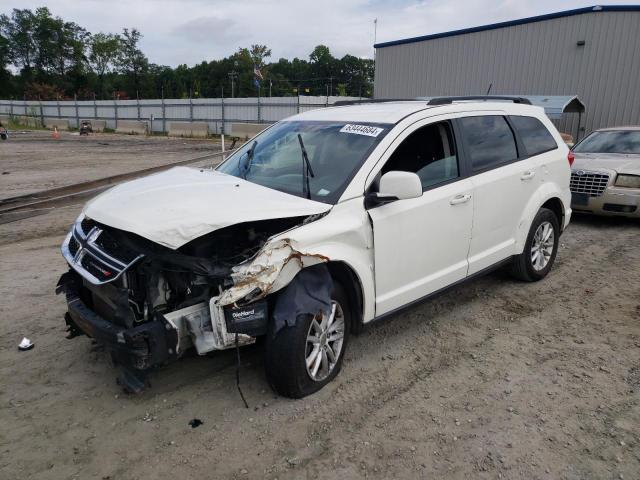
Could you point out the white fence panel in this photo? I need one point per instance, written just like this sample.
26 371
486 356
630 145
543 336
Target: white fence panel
217 112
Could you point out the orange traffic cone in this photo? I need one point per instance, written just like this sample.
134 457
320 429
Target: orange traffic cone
56 133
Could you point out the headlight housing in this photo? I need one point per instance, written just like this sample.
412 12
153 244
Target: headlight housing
628 181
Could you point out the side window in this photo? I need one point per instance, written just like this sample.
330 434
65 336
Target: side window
428 152
490 141
535 136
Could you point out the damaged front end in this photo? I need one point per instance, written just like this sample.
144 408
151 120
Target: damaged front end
148 304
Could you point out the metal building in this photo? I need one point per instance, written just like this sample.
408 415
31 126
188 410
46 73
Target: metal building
591 52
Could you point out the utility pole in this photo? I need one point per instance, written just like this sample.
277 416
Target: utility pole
330 85
164 117
233 75
375 37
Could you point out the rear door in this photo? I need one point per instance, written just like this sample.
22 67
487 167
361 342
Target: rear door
504 180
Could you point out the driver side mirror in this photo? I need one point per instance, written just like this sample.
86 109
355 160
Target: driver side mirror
394 186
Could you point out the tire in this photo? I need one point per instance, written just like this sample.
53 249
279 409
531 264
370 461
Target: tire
286 351
528 266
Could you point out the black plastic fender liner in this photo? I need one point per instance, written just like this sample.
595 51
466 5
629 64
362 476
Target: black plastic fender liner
307 294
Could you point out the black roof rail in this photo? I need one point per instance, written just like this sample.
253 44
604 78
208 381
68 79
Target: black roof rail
343 103
448 100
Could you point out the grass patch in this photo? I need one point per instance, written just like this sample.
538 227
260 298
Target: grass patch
34 124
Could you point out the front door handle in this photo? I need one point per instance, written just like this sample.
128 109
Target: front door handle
528 175
458 199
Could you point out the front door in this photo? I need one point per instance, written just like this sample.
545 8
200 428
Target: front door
421 244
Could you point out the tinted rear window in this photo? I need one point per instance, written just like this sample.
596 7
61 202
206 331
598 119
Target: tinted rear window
535 136
490 141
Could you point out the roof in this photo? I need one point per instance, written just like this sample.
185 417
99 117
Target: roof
522 21
393 111
383 112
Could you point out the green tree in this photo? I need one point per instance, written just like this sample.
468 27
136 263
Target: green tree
56 57
5 51
6 79
357 75
323 69
258 53
18 30
59 45
104 51
132 62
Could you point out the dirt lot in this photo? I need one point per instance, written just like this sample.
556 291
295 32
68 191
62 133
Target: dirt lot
33 160
495 379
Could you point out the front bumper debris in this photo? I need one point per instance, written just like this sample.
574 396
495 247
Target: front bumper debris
136 350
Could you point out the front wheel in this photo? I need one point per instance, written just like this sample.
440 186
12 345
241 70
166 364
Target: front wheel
540 249
303 358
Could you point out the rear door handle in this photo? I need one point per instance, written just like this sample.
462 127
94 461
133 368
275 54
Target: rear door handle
528 175
458 199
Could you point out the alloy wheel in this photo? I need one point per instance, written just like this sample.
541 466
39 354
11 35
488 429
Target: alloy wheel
324 343
542 246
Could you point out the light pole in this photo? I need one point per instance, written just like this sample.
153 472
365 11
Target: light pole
375 37
233 75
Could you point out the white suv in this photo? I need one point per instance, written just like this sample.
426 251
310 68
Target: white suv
324 222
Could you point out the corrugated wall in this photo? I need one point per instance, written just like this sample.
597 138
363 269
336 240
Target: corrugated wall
539 58
219 113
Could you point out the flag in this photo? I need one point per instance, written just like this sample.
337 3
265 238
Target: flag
257 73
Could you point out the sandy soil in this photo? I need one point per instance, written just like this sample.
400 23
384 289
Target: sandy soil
32 160
494 379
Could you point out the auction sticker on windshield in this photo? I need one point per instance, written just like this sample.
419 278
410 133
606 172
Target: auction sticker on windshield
362 130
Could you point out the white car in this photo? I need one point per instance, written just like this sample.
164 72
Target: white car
323 223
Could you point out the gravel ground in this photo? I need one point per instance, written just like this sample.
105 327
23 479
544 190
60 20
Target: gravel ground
494 379
32 160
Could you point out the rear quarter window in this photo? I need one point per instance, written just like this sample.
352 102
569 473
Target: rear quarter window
534 135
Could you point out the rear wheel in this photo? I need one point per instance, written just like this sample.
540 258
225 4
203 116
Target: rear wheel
540 249
301 359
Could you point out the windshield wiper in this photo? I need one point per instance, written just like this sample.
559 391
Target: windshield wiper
249 159
306 170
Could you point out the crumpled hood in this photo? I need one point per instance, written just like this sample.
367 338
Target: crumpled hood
618 162
178 205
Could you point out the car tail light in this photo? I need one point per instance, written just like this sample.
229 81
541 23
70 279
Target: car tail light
571 157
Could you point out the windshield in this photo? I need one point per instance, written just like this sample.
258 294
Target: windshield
615 141
335 151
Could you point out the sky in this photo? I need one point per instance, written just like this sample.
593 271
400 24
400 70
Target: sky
190 31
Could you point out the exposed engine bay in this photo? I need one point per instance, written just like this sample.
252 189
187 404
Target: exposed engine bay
150 303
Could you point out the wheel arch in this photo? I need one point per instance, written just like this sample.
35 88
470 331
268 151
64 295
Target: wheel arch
347 277
556 206
547 196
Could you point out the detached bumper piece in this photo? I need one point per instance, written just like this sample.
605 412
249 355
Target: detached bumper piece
136 350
